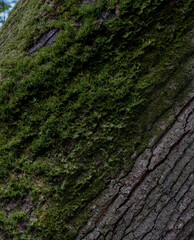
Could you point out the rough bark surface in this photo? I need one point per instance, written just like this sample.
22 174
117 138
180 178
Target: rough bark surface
46 40
155 200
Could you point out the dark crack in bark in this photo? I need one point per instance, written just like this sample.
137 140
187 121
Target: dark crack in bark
46 40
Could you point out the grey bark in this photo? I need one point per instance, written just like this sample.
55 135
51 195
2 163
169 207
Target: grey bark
155 200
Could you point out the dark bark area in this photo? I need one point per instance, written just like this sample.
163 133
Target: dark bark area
46 40
155 200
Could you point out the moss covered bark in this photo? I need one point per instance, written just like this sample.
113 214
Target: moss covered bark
72 114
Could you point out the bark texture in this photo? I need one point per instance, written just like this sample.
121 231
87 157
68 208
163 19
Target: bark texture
156 199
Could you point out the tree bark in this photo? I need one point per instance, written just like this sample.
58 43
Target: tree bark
155 199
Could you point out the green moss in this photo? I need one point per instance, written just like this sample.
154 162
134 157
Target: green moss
73 113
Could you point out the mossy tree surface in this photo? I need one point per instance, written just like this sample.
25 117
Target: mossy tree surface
72 114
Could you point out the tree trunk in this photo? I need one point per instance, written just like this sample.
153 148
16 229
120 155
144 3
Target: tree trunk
96 120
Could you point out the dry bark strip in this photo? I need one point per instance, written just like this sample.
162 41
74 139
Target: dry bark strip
155 201
46 40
